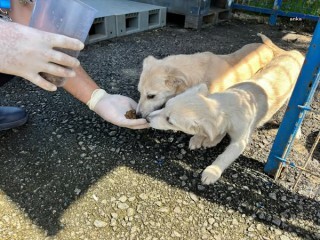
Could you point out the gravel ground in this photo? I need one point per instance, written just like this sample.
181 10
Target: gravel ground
67 174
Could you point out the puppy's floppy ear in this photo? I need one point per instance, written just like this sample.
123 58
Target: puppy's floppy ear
149 60
208 129
194 126
203 127
175 78
202 89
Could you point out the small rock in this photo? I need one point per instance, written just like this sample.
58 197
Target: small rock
123 206
211 221
277 232
181 145
217 237
95 197
273 196
183 178
131 199
259 227
130 212
183 151
164 210
6 218
123 199
204 236
143 196
177 210
276 221
283 237
99 223
114 215
134 229
113 222
112 133
235 222
175 234
77 191
251 229
194 197
261 216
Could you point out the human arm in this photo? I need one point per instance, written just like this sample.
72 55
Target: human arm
111 107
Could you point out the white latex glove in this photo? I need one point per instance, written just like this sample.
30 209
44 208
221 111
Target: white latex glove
113 108
26 52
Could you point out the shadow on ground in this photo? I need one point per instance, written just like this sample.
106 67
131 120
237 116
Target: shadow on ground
45 182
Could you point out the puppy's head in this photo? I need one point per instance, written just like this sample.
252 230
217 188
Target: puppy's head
158 83
190 112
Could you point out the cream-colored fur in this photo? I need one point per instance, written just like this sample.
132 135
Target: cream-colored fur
162 79
237 111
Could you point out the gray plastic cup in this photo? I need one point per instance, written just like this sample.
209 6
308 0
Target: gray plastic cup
71 18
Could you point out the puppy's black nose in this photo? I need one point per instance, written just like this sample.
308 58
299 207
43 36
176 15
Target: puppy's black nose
139 115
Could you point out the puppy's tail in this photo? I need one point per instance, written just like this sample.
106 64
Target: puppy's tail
267 41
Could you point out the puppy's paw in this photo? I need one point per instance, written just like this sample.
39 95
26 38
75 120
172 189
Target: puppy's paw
210 175
196 142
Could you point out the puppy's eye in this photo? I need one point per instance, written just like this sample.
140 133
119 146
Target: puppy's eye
150 96
168 120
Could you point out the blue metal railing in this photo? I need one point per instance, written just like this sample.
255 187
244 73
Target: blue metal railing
294 9
299 103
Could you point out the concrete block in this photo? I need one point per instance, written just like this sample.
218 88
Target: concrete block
131 23
102 28
123 17
157 18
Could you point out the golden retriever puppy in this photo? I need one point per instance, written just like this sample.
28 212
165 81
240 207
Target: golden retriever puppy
162 79
237 111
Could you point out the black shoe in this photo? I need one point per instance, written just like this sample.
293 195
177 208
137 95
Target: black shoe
11 117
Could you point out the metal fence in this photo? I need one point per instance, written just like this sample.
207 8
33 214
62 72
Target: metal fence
299 105
294 9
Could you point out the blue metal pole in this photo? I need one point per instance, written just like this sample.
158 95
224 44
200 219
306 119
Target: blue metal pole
276 6
299 102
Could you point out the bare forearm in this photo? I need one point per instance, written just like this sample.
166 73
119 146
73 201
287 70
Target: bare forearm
81 86
20 13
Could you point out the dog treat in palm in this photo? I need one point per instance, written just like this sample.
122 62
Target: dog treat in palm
131 114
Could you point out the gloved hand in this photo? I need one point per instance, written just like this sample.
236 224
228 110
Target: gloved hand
26 52
113 108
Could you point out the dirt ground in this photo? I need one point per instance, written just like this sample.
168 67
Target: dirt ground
68 175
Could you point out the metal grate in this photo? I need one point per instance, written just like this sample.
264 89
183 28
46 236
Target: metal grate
299 105
303 169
